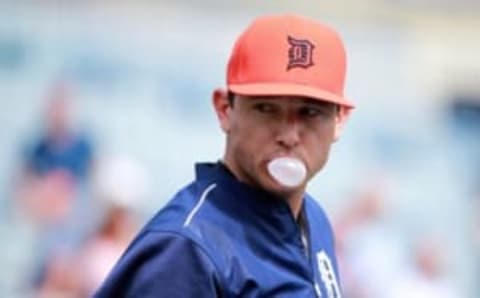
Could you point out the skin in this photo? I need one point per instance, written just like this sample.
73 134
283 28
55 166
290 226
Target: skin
261 128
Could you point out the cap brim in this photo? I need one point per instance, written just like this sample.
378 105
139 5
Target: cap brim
272 89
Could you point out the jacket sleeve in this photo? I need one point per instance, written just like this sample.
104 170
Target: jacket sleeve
162 264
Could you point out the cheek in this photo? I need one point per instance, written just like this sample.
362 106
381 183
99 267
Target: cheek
250 144
317 147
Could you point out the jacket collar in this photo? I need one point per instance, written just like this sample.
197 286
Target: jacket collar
241 196
258 197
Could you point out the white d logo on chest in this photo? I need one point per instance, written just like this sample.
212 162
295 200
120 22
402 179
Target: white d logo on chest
327 274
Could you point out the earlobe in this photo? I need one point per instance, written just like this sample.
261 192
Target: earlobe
340 121
222 108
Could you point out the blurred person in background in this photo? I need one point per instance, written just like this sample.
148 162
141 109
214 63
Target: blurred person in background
246 226
52 190
79 271
427 276
120 184
104 248
371 254
57 165
62 277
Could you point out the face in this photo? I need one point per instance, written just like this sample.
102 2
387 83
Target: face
260 129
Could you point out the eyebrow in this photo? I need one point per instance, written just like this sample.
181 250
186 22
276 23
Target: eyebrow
306 100
317 102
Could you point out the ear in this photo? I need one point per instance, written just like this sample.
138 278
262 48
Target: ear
340 120
222 108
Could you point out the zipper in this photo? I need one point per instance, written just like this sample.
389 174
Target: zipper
304 237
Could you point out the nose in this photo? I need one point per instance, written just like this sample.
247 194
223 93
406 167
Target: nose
288 135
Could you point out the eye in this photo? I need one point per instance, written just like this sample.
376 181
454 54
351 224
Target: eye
266 108
310 111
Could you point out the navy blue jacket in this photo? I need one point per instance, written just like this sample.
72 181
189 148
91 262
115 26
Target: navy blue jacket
219 237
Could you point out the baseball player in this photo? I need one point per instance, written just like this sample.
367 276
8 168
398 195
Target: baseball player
245 227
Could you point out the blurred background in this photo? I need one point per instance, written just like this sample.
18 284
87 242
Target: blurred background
105 107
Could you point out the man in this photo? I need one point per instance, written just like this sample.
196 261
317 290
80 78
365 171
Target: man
245 227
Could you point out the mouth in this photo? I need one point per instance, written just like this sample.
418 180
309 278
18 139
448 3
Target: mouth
289 172
282 154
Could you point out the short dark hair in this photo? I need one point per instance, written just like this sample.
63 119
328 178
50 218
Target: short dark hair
231 98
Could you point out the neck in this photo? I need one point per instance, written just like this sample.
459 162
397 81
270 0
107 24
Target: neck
295 202
294 198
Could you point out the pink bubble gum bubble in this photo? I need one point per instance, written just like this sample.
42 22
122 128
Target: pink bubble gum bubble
287 171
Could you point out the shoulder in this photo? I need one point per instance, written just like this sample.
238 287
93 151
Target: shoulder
185 208
154 246
81 140
314 207
319 219
36 147
146 267
198 212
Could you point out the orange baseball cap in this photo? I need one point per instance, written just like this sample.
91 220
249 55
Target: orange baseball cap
289 55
